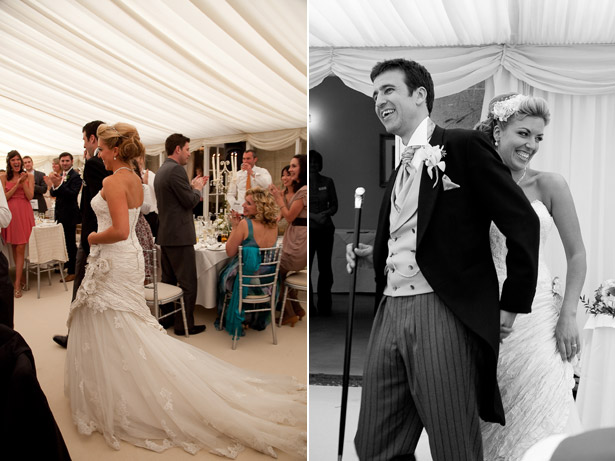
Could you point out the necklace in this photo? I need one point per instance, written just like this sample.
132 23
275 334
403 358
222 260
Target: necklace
130 169
522 176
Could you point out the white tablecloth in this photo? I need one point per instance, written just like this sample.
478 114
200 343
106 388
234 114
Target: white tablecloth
596 395
209 263
46 244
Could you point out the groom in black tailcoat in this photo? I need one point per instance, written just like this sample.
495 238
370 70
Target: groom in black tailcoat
433 348
94 172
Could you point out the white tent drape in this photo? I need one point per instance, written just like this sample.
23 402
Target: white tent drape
563 51
574 69
204 68
270 140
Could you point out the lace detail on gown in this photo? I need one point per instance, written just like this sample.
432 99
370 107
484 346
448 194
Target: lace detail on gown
128 380
536 385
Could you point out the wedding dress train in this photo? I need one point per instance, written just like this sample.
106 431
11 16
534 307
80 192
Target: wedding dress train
536 385
130 381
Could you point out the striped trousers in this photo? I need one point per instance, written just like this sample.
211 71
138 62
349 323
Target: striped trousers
420 372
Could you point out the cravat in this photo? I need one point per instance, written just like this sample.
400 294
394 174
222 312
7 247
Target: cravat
248 181
404 177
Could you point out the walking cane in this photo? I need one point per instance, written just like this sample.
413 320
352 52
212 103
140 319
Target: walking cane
358 202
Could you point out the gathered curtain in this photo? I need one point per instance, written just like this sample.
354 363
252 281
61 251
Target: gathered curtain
267 140
577 81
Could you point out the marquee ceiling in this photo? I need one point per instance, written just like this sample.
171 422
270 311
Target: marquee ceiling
204 68
429 23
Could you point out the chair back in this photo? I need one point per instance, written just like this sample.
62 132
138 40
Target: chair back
162 293
265 277
151 283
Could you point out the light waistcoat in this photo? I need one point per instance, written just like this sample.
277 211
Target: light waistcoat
404 277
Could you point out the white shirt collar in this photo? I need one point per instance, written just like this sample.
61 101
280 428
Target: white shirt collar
419 137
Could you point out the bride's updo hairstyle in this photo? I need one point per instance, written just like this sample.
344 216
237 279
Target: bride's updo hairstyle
512 106
266 208
125 137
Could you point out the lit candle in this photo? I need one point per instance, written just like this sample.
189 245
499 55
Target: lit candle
213 166
218 163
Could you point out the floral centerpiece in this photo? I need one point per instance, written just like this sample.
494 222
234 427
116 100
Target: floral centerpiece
222 224
604 299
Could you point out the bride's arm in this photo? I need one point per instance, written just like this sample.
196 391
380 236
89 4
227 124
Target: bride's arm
567 223
114 192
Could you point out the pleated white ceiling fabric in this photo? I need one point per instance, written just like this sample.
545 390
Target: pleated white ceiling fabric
431 23
204 68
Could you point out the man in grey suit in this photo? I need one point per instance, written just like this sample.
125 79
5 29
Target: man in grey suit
176 198
39 183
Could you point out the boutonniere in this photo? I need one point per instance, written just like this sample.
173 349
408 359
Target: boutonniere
432 157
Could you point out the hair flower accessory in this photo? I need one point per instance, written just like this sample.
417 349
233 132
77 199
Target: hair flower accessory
604 299
432 157
502 110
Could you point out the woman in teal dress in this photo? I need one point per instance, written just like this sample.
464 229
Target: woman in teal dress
258 230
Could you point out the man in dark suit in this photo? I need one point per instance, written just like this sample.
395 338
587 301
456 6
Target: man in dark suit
39 184
433 349
176 198
65 189
94 172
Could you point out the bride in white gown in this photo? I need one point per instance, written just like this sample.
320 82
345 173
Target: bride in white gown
534 370
128 380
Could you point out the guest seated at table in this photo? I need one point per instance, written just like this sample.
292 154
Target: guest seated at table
257 230
294 255
18 186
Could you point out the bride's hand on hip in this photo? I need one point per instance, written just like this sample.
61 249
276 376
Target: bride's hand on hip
567 337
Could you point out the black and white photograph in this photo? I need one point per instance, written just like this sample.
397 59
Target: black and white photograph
471 313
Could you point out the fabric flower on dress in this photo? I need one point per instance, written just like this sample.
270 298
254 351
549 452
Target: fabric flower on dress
89 286
94 251
556 286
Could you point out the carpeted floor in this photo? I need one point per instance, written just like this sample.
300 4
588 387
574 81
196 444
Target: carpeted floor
37 320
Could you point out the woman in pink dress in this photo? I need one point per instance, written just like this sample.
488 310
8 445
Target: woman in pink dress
19 189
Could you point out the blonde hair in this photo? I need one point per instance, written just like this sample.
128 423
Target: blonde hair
527 106
266 208
123 136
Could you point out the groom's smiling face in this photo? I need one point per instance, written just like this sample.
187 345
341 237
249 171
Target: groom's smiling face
397 109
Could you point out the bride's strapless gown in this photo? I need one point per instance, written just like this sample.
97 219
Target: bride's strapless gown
128 380
536 385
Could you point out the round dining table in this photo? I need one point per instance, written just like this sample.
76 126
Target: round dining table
210 260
